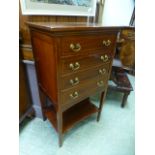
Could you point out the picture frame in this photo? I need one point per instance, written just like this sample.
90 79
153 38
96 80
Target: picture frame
59 7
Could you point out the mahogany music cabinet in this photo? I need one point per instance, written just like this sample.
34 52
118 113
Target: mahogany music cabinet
73 62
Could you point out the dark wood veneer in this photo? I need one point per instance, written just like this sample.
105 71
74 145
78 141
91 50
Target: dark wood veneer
83 76
89 43
57 62
73 115
85 61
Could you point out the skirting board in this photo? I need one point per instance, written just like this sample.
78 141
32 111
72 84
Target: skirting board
33 85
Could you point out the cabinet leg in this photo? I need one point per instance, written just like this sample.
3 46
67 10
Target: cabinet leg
101 105
125 96
43 99
98 115
44 117
60 122
60 139
44 102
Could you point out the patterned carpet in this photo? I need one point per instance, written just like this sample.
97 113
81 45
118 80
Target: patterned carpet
112 135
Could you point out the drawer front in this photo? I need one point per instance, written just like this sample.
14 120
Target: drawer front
74 45
73 65
83 91
82 77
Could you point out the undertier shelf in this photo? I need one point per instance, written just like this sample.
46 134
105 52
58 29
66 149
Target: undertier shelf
73 115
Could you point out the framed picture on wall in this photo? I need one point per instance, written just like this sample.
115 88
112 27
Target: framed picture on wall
59 7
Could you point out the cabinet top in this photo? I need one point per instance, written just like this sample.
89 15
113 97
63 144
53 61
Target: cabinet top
70 26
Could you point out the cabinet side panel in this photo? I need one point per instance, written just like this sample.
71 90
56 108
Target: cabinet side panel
45 62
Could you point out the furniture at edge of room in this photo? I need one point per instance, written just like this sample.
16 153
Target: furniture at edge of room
25 106
123 63
73 62
120 82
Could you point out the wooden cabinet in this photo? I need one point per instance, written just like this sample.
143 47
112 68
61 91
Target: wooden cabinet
73 62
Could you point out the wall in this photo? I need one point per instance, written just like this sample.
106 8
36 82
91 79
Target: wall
117 12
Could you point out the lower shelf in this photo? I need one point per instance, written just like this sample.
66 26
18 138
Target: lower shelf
73 115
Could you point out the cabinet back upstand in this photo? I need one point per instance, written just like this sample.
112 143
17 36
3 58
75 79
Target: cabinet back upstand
73 62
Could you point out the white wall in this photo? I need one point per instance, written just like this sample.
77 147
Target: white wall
117 12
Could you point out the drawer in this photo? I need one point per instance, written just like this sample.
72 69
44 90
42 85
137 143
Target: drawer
82 91
75 79
73 65
74 45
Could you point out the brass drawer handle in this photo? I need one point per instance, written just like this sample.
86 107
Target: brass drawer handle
74 66
104 58
106 43
100 83
75 81
102 71
74 95
75 47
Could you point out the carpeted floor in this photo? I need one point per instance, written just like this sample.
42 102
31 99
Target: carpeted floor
112 135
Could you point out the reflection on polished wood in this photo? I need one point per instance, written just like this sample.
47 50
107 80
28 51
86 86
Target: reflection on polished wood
69 78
